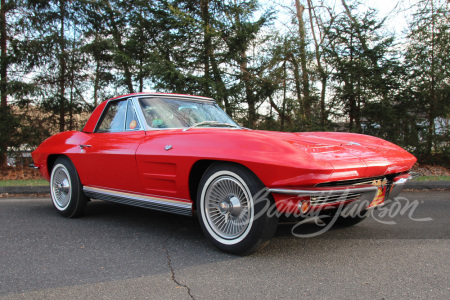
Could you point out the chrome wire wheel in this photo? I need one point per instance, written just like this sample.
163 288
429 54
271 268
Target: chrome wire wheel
228 207
61 188
231 219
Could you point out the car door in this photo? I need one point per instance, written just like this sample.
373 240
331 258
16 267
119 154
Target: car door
108 154
162 172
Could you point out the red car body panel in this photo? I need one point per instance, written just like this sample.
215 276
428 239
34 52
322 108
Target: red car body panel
138 162
110 160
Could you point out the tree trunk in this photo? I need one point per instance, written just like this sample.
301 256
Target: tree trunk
118 40
210 63
221 88
298 88
4 62
3 74
141 73
323 112
207 45
358 108
283 115
322 73
351 93
126 67
278 110
62 64
246 79
352 110
358 33
432 101
305 77
248 90
96 81
72 84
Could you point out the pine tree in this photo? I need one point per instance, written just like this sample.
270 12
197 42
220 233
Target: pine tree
361 58
428 62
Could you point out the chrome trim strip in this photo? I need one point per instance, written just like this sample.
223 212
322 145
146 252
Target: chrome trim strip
167 95
125 116
167 205
178 97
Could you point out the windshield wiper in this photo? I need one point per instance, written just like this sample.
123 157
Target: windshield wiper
215 123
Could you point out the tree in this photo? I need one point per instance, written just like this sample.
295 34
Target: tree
321 62
4 60
3 79
206 51
362 61
428 61
306 103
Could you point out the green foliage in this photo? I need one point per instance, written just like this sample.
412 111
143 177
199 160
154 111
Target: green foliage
428 60
366 71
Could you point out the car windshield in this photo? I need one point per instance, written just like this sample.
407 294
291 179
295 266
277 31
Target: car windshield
177 113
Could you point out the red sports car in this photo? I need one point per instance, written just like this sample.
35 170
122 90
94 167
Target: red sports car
181 154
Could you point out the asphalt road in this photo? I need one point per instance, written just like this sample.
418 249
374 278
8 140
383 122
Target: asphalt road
117 252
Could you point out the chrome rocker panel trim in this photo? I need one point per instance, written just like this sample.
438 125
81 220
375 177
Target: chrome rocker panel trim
155 203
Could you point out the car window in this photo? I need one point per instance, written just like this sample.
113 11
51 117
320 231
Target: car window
176 113
113 118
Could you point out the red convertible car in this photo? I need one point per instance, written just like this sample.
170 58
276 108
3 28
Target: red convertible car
182 154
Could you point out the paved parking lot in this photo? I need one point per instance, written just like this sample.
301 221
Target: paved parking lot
116 252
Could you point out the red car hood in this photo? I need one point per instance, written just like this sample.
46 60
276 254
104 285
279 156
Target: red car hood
350 154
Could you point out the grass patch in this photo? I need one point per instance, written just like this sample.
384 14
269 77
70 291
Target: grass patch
24 182
432 178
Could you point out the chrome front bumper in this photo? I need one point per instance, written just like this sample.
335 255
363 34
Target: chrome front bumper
397 185
320 196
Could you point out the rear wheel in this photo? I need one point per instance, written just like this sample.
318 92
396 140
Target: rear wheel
66 189
230 215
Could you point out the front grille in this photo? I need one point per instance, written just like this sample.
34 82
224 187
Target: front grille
358 181
327 199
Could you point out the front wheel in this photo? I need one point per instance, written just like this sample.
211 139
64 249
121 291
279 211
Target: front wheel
230 215
66 189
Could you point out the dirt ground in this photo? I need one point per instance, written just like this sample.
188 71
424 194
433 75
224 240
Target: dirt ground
10 173
429 170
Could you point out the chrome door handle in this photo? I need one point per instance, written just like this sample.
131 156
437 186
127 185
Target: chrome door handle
84 146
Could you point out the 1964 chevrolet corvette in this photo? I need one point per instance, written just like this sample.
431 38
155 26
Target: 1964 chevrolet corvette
180 154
